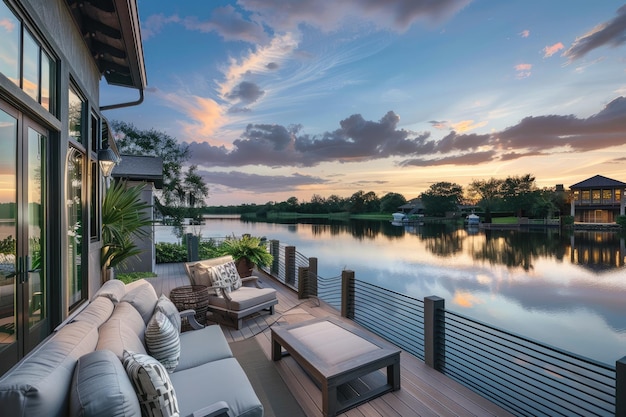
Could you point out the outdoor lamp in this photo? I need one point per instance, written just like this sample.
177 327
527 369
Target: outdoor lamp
108 160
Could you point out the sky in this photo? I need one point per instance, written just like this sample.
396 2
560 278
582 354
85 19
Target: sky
280 99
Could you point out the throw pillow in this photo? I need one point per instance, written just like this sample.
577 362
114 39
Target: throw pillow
219 277
233 275
152 384
167 307
162 340
101 388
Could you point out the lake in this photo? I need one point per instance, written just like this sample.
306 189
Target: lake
563 288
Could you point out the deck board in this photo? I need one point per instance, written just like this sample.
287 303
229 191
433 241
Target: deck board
424 391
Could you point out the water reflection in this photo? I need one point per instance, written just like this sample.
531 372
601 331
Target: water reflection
564 288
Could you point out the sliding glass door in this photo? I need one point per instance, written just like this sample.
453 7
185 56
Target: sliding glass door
23 278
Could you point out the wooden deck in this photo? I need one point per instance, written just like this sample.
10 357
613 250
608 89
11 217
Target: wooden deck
424 391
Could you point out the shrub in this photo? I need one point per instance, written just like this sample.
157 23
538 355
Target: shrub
567 220
621 220
170 252
127 278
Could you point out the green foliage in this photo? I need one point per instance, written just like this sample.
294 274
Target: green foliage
7 245
123 218
621 220
390 202
249 247
442 197
134 276
208 250
170 253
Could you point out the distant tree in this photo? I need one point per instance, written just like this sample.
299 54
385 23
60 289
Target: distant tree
488 193
442 197
292 204
336 204
362 202
133 141
390 202
518 194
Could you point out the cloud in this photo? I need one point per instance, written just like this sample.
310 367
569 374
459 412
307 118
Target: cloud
525 33
230 25
246 92
360 140
155 23
259 183
467 125
550 50
612 33
327 15
523 70
207 115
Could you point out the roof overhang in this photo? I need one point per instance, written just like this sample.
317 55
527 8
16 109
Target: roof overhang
112 33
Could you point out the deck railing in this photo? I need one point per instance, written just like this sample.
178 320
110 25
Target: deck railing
523 376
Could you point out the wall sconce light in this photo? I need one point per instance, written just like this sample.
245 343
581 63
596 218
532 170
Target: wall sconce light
108 160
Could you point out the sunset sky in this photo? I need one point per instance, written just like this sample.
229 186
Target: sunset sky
281 98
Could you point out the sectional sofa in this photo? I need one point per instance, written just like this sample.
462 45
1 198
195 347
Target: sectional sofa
120 357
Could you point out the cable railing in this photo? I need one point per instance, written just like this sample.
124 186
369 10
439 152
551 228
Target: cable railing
523 376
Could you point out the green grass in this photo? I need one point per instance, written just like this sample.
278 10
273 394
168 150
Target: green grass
504 220
134 276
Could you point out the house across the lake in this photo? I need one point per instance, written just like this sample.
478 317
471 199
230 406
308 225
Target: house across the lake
597 200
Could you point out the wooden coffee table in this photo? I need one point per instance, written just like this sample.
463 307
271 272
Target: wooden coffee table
335 353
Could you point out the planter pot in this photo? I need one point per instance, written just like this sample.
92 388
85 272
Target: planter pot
244 267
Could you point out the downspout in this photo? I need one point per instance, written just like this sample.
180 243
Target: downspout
128 104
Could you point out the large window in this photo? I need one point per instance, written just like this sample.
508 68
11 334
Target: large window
24 61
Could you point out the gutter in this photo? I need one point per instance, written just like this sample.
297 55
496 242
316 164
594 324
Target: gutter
127 104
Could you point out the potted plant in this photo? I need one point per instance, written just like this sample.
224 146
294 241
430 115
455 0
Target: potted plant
247 252
124 217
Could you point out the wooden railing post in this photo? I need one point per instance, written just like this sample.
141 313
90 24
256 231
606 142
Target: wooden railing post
347 294
303 282
192 247
290 264
433 328
275 251
620 388
312 278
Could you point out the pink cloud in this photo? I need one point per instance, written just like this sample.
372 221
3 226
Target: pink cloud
525 33
550 50
523 70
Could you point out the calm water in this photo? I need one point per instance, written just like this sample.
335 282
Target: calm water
564 289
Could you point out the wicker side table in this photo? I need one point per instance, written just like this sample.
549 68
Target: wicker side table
194 297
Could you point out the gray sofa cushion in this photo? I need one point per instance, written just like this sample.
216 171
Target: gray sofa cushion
201 346
117 336
141 295
244 297
113 289
40 384
229 383
97 312
131 317
101 387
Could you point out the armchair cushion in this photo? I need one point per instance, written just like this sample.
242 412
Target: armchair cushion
243 298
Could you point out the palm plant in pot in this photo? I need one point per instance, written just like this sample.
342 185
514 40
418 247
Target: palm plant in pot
247 252
124 217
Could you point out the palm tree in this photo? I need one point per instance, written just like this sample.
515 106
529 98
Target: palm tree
124 217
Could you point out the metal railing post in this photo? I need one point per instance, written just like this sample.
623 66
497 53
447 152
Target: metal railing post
275 251
290 264
303 282
312 278
620 388
433 342
347 294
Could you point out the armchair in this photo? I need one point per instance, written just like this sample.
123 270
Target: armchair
230 301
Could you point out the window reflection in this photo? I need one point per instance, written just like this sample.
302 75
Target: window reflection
9 47
76 107
47 78
74 209
30 77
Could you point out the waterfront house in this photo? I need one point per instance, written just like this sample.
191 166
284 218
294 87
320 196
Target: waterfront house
53 56
597 200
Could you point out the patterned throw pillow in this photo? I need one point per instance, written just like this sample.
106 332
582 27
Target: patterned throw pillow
233 275
163 341
167 307
152 384
220 277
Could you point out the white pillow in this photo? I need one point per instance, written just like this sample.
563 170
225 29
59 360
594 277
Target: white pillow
152 384
167 307
163 341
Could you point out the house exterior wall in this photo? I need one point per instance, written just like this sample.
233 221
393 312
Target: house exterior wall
597 204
